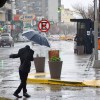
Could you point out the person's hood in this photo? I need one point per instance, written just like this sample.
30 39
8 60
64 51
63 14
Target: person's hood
27 47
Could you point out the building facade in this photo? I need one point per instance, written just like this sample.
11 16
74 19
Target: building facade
53 14
41 8
5 13
66 15
37 7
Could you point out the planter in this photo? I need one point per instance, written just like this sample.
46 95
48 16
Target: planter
55 69
39 64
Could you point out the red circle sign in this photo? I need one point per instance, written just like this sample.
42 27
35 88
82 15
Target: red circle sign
44 25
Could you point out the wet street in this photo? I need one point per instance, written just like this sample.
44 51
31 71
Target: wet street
67 25
9 68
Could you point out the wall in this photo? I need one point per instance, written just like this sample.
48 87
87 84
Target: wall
53 10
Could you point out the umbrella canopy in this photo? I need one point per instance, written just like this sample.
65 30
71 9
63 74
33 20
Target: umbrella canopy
36 37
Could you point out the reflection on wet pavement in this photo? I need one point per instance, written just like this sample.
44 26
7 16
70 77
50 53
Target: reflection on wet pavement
74 68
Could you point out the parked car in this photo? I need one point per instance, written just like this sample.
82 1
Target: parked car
6 40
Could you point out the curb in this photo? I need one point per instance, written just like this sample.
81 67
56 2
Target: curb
1 98
90 83
33 80
54 82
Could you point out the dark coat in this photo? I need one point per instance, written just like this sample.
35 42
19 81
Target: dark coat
79 40
89 43
26 56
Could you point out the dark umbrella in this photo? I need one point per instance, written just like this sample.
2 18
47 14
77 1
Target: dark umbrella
36 37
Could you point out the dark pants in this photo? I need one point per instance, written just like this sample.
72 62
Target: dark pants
23 78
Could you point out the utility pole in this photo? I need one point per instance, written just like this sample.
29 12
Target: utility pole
96 61
96 30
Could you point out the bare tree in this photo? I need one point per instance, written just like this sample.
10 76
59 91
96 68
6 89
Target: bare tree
79 9
90 12
83 11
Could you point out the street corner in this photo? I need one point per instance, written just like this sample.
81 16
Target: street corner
44 78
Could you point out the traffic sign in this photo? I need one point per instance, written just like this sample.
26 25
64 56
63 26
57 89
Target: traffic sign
44 25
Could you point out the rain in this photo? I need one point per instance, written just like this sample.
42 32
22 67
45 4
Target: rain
59 31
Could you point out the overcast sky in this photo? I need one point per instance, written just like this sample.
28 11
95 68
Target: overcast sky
69 3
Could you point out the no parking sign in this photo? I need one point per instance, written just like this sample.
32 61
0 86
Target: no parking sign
44 25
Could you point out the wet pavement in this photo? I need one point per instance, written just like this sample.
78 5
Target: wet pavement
75 68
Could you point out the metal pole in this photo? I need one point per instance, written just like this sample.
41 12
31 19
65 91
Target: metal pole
96 30
99 13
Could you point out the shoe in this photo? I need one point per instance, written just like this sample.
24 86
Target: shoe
16 95
26 95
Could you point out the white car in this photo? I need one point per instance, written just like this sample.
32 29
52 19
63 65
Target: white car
6 40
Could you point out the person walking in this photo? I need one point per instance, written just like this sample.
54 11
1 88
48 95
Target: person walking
26 56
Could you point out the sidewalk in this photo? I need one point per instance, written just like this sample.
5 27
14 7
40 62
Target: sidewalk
75 75
75 71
